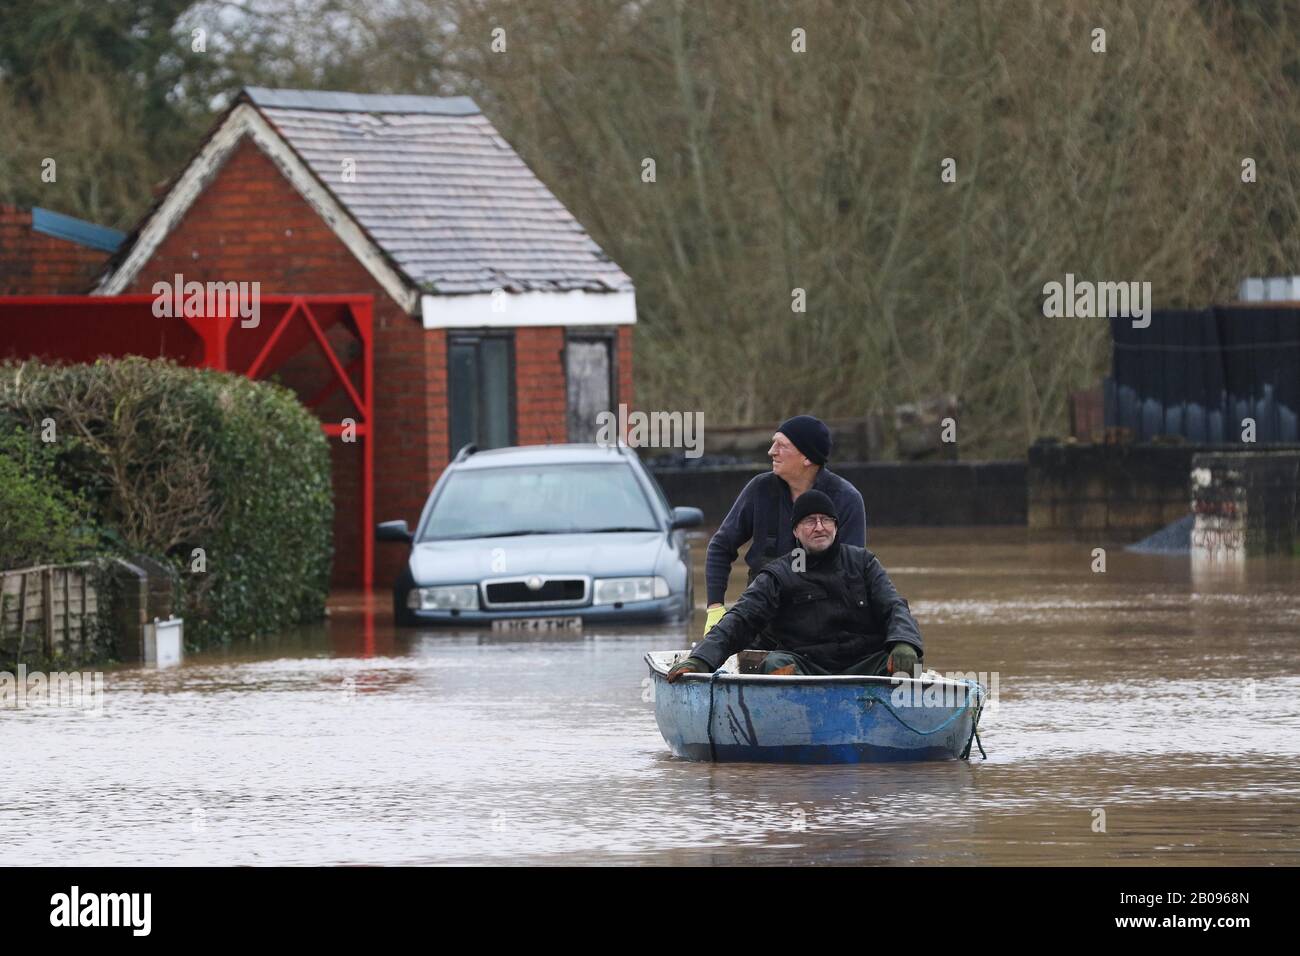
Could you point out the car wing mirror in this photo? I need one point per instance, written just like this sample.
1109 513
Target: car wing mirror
687 518
392 531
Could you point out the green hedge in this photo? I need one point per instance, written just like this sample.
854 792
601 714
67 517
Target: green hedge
41 522
174 459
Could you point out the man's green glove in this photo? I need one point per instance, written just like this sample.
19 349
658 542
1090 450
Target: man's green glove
692 665
902 659
712 616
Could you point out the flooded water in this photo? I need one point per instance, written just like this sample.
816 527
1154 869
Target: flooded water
1144 715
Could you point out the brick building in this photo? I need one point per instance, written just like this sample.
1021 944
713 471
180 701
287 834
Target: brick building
47 253
497 319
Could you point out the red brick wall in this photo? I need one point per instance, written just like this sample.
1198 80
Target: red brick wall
539 386
437 435
32 263
250 224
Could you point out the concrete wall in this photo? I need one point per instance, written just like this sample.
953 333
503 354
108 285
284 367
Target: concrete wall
895 493
1115 493
1245 504
1108 493
1104 493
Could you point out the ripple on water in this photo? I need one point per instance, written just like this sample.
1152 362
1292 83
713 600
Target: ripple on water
1169 711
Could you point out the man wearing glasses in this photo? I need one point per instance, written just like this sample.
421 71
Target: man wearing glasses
829 607
761 515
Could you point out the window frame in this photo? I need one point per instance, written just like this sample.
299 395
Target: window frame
475 337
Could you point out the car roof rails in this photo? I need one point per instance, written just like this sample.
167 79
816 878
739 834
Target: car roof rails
465 452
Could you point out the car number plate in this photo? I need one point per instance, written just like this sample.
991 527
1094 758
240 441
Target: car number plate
537 624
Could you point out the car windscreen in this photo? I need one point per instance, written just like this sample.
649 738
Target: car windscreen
555 499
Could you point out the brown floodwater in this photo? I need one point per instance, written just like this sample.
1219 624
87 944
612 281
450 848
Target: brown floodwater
1149 714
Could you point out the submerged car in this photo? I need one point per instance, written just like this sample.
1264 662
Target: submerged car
565 533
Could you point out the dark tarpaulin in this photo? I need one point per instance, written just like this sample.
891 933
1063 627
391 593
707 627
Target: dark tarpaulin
1198 374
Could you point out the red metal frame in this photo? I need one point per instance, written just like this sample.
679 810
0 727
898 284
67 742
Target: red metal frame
81 328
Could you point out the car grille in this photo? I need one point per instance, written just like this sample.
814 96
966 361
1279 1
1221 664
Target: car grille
554 592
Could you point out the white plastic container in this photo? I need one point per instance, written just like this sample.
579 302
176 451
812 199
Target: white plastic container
164 642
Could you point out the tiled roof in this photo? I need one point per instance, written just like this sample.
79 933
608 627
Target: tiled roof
438 189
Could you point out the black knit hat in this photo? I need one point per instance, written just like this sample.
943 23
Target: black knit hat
810 435
812 503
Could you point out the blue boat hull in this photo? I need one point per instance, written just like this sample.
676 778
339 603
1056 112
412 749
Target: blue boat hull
813 720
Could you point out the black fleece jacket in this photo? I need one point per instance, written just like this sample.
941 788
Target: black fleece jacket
838 610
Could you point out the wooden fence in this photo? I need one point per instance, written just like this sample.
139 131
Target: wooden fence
50 608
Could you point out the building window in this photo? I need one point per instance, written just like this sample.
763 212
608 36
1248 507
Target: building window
480 386
589 374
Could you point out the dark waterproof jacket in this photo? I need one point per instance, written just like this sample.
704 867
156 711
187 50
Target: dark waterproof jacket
761 515
842 608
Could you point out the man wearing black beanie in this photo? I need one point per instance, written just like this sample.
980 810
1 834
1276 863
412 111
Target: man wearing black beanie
761 515
826 608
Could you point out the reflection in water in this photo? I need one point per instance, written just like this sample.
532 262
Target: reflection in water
1161 698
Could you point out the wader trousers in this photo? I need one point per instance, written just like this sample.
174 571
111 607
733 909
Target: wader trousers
873 665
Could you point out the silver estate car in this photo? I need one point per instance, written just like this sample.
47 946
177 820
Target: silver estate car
561 532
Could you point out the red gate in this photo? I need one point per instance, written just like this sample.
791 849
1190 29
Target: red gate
82 328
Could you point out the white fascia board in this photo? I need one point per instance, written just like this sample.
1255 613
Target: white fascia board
243 121
528 309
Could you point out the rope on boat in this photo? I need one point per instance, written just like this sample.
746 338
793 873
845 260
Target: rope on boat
970 685
974 733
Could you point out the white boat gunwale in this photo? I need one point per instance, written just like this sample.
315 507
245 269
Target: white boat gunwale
660 662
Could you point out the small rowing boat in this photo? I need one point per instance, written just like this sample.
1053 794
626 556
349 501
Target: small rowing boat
766 718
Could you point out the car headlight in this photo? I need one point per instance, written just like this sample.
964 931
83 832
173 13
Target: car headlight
458 597
627 590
